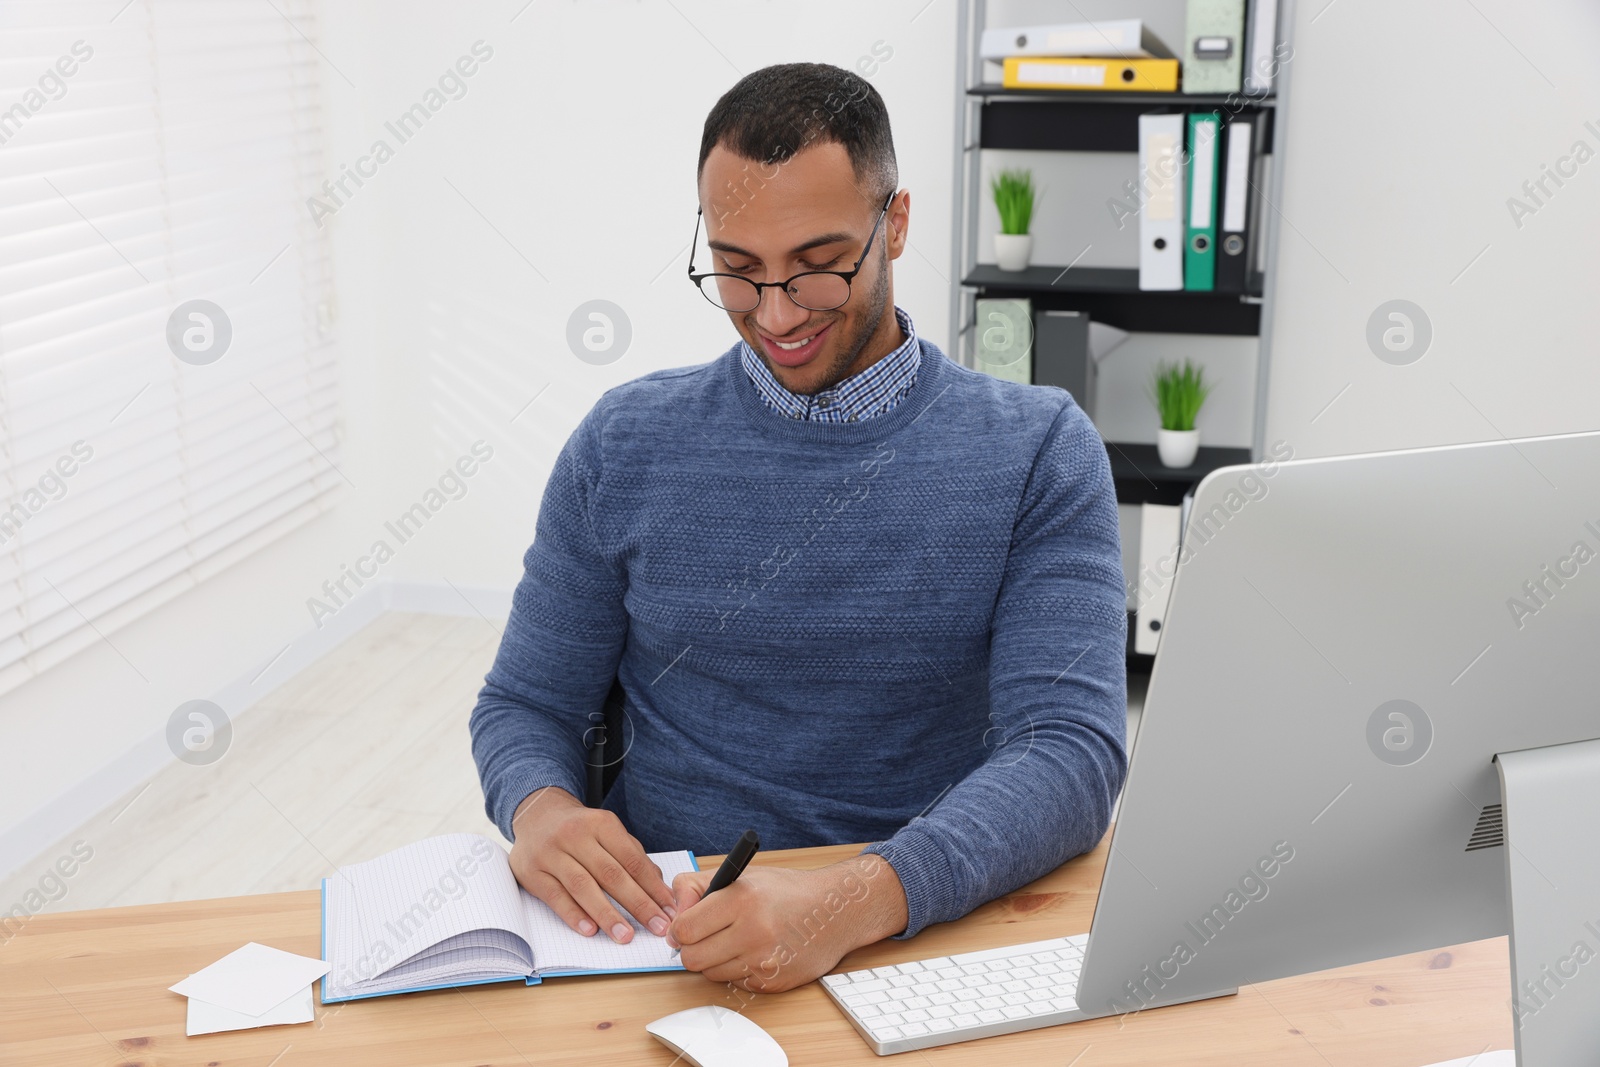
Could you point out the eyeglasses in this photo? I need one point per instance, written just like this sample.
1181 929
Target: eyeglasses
814 290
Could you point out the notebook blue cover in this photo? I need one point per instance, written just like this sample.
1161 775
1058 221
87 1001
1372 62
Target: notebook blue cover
531 979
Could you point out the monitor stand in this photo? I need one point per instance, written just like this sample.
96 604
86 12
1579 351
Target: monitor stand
1550 805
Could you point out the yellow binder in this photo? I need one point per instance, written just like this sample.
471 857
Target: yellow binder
1123 75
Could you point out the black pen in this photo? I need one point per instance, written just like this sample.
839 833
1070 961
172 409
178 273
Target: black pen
733 865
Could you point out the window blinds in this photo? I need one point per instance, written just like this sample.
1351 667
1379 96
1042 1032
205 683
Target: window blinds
151 156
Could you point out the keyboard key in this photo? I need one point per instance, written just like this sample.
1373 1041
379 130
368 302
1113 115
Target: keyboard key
964 995
939 1026
1039 1007
834 981
884 972
915 1002
942 997
1024 971
942 1011
965 1020
1041 982
973 981
867 1011
917 1015
948 972
1041 994
914 1029
888 1033
974 968
1014 1011
890 1018
1048 968
1014 986
922 989
999 965
1064 1004
990 1016
939 961
869 985
910 968
990 1003
877 996
900 981
950 985
1015 998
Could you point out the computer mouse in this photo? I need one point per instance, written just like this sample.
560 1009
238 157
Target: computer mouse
713 1036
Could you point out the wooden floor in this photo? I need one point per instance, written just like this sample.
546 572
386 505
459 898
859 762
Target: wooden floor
362 752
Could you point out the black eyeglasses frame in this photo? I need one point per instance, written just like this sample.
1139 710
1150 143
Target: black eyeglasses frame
847 275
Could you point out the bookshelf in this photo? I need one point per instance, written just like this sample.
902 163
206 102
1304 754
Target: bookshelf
991 117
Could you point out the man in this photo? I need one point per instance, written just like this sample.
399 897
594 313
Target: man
853 590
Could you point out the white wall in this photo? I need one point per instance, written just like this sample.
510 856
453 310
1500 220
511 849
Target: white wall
577 142
1409 127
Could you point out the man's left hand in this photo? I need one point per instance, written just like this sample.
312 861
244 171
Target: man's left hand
774 928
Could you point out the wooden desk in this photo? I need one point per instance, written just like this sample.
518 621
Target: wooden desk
90 988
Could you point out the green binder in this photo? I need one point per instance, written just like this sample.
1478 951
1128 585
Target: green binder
1200 234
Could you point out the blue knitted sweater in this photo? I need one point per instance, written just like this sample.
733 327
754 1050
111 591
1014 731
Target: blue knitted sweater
907 630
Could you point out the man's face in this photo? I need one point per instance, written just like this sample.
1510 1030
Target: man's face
771 222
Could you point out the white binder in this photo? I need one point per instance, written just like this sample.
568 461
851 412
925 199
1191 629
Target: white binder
1159 526
1161 172
1236 183
1261 60
1112 38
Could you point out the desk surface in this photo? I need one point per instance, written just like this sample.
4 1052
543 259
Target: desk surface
90 988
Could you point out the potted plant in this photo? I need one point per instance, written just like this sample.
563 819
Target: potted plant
1179 392
1013 196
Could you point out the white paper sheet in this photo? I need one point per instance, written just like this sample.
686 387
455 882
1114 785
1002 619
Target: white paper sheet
252 980
207 1018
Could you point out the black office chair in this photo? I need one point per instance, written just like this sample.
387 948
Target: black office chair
605 744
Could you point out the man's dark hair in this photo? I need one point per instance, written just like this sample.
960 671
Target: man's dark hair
776 111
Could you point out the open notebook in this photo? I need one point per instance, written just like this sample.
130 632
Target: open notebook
447 911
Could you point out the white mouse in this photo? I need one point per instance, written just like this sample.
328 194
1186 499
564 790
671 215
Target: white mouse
713 1036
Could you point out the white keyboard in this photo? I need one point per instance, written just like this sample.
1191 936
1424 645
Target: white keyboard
958 998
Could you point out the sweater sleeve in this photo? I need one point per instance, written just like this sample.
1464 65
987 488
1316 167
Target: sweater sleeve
1057 694
561 646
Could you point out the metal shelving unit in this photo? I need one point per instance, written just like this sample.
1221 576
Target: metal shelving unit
992 117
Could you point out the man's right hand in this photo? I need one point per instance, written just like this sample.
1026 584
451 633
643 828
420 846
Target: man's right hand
571 856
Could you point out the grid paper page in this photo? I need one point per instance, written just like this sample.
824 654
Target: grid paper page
427 894
558 948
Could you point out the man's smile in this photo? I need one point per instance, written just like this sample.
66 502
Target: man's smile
796 349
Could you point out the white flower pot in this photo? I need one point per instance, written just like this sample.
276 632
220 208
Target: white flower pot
1011 250
1177 448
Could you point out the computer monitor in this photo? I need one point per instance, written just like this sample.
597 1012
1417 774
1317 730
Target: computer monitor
1349 645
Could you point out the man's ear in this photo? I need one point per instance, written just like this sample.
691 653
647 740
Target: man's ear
898 222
